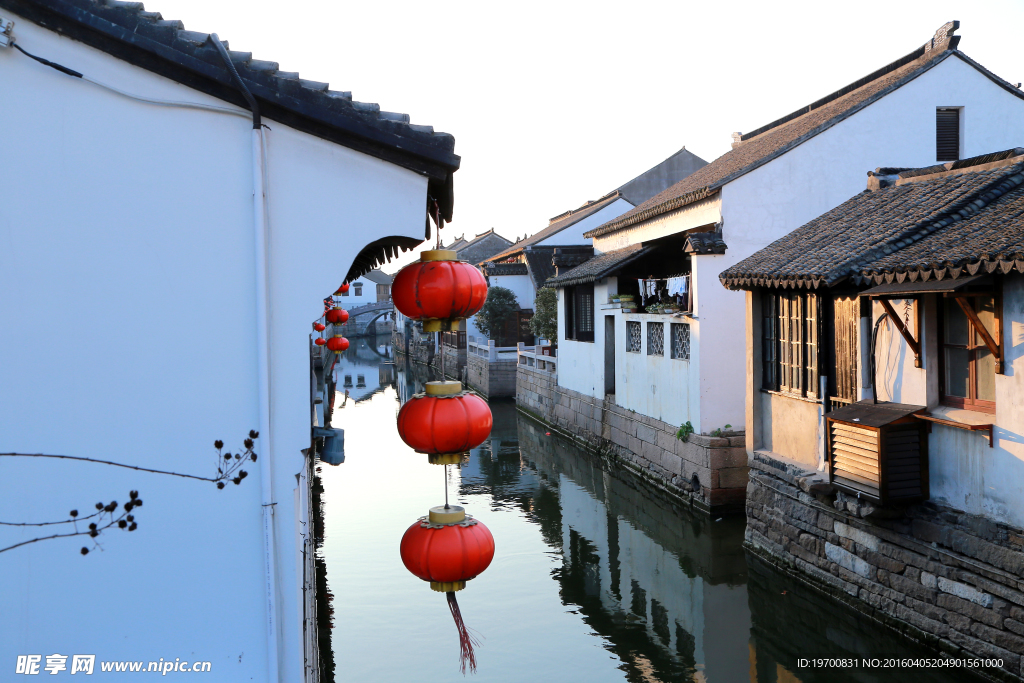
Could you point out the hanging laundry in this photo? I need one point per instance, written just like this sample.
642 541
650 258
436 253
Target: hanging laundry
677 286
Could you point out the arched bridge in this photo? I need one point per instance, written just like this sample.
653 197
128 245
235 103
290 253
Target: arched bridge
380 308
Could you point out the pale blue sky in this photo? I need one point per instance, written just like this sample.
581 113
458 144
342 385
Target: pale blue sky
554 103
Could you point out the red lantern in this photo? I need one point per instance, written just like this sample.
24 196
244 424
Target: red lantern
319 341
337 343
342 289
439 290
448 548
336 316
445 422
319 327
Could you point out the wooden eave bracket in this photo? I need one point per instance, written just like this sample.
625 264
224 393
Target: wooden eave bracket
995 349
960 425
914 345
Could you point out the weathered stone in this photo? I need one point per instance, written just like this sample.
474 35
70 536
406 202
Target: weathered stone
912 588
912 573
826 522
999 638
862 537
929 580
922 622
646 433
980 648
962 590
1014 625
732 477
969 609
880 560
849 561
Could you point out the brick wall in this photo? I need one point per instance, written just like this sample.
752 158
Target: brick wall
941 576
709 472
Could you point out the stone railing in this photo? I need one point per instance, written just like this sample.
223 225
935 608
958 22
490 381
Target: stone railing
485 348
530 356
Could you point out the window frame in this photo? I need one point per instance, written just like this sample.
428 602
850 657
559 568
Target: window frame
959 111
790 342
579 299
651 348
971 402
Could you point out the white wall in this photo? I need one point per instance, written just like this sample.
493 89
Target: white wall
965 473
521 285
581 364
661 387
127 241
368 295
705 212
573 235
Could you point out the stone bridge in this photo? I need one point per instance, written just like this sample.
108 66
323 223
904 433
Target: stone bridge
374 311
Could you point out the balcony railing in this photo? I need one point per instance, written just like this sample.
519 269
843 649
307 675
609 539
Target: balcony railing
534 357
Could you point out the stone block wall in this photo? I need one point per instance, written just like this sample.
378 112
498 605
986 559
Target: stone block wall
492 379
709 472
941 576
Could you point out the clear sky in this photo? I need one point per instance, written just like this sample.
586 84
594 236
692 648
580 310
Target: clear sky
554 103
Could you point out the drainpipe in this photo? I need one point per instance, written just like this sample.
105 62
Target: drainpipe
259 206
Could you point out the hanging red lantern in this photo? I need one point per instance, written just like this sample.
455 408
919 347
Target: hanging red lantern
342 289
319 327
319 341
439 290
337 343
444 422
448 548
336 316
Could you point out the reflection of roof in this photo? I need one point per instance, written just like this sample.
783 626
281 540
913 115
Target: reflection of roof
145 39
378 277
600 266
765 144
559 223
944 221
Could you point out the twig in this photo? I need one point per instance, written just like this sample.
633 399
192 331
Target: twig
105 462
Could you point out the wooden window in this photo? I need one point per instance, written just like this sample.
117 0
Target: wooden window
968 373
359 288
790 336
947 134
579 313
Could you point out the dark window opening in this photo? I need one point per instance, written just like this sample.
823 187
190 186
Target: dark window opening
579 312
947 134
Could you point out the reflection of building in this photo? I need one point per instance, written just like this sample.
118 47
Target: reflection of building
663 587
356 371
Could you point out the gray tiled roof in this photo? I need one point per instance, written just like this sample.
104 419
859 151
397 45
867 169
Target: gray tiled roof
765 144
558 224
704 243
127 31
378 277
600 266
952 222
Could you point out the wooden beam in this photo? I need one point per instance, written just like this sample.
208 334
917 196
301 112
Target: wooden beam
911 342
976 323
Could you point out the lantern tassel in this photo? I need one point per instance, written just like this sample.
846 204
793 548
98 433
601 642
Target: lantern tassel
466 641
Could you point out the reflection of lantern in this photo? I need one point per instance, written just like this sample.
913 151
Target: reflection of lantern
337 343
448 548
336 316
319 341
439 290
319 327
445 422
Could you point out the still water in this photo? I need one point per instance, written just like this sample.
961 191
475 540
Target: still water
595 578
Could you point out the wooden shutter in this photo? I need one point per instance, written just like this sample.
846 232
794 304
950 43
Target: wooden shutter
570 319
846 321
811 332
947 134
770 337
584 312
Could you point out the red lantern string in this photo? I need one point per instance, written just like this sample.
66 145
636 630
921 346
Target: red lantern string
467 641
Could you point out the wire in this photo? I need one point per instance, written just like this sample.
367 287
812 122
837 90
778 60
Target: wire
138 98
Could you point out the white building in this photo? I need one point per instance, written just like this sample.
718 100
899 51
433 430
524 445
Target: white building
910 292
150 306
689 368
369 288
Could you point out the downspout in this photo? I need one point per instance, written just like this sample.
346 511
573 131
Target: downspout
259 206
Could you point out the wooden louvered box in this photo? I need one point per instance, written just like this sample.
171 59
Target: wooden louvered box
879 452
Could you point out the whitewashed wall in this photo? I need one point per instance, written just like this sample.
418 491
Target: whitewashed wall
661 387
521 285
129 273
581 364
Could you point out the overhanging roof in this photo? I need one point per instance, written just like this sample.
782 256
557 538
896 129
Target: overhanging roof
906 288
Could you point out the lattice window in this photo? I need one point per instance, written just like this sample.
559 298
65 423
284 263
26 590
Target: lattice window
790 343
655 339
633 336
680 341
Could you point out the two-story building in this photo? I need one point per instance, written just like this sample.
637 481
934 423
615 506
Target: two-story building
884 402
667 374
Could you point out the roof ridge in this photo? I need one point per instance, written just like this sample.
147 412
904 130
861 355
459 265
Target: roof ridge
943 39
964 208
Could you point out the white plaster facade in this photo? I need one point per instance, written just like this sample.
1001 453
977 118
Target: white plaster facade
769 201
129 274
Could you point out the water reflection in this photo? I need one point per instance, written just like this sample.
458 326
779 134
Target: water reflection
596 578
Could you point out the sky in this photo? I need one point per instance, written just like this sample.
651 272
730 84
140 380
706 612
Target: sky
555 103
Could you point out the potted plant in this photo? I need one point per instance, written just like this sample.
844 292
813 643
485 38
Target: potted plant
626 298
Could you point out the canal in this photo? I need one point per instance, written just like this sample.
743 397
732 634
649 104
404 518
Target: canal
596 577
